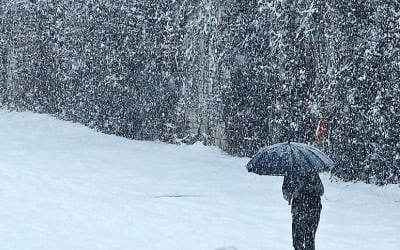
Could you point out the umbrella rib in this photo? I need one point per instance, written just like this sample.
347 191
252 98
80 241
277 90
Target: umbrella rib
292 156
319 158
305 157
325 156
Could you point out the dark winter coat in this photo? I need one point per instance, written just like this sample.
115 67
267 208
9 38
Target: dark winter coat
303 193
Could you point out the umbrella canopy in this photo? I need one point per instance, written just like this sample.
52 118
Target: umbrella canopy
289 158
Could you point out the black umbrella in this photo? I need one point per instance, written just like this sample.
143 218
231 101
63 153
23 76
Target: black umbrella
289 158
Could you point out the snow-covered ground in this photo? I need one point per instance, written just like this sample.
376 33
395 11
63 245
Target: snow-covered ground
64 186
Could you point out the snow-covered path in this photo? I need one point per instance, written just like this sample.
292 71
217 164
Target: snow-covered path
64 186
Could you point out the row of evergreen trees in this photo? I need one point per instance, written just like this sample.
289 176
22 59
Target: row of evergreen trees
237 74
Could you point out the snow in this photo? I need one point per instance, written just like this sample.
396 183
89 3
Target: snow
64 186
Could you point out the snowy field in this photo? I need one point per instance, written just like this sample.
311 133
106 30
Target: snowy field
64 186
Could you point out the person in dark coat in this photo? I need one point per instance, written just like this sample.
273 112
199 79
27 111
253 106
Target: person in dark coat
304 193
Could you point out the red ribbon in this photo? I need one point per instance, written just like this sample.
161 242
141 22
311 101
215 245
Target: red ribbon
321 129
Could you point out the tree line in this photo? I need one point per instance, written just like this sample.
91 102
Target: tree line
236 74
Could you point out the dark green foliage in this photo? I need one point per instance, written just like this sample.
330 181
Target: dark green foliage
237 74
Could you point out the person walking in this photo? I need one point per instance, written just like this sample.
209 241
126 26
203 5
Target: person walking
304 193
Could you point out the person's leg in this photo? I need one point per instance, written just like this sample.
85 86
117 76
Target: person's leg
298 231
312 225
